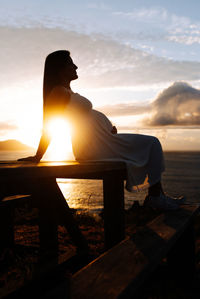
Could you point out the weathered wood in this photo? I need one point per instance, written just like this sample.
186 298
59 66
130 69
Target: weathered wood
47 283
181 258
17 171
122 270
54 205
114 218
53 210
48 227
66 218
7 212
25 177
39 181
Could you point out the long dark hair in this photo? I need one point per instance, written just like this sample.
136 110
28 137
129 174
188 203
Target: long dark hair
54 63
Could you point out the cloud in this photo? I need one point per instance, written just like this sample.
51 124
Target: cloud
168 26
102 61
7 126
144 14
177 105
183 31
185 39
124 109
98 5
159 16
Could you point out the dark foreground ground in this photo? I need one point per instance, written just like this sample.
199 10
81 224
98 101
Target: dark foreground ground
17 266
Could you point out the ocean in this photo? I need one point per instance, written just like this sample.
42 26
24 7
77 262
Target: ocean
181 177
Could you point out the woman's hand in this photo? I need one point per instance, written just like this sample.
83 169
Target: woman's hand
114 130
34 159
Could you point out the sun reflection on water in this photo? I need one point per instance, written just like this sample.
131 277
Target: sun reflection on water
82 195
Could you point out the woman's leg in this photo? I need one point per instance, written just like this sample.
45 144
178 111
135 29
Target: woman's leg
155 190
156 197
155 165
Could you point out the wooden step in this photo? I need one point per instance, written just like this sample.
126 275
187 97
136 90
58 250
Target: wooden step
122 270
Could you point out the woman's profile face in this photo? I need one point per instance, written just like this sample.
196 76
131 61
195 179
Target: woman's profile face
69 70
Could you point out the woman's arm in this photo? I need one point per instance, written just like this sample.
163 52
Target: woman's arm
55 106
42 147
44 141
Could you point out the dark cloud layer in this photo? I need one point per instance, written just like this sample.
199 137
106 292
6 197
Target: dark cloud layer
178 105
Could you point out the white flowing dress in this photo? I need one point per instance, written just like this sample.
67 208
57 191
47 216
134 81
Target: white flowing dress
92 140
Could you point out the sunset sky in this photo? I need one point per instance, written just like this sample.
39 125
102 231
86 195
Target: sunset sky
139 62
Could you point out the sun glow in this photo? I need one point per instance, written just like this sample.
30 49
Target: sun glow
60 148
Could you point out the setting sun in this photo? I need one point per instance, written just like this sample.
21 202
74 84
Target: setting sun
60 147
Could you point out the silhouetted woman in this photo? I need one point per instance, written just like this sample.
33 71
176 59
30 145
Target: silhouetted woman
94 137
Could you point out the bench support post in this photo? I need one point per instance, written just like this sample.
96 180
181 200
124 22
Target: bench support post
57 212
48 230
114 220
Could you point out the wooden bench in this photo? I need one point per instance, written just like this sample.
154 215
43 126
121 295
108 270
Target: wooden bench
39 181
121 271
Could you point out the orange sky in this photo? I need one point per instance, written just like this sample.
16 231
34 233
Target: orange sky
141 66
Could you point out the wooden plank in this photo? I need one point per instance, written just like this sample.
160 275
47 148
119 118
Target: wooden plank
7 211
181 258
16 188
91 170
121 271
110 164
15 200
114 217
